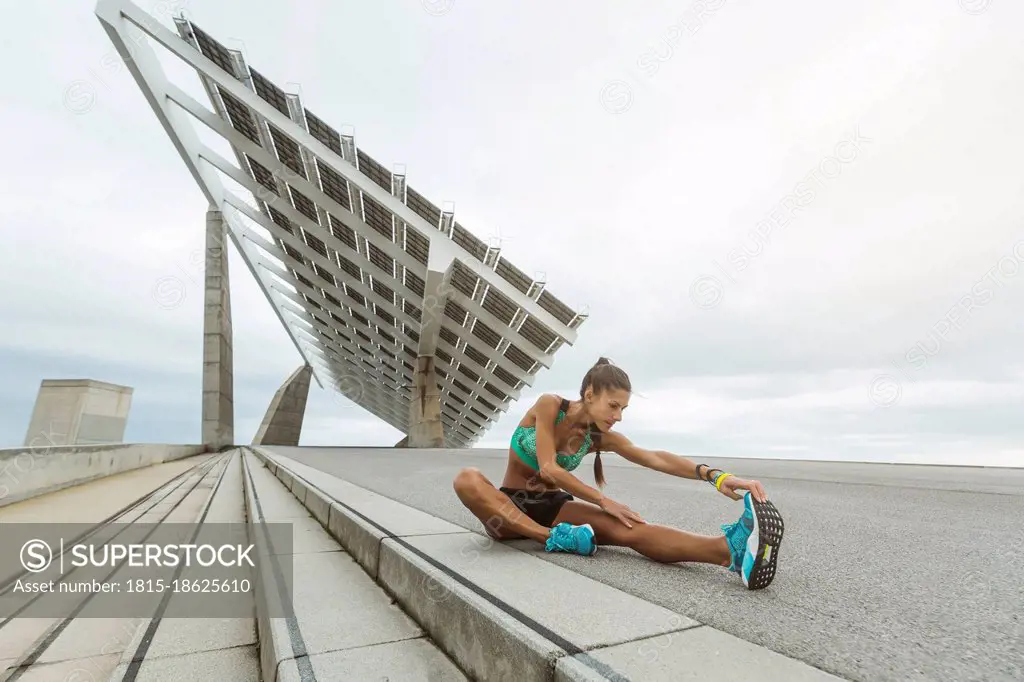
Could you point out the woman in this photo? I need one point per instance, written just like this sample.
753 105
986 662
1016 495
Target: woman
538 498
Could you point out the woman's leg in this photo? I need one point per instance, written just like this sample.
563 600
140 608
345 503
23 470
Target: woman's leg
500 516
660 543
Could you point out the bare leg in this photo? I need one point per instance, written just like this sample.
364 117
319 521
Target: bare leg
660 543
496 511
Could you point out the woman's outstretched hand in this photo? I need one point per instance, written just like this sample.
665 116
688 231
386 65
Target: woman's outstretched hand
621 512
731 484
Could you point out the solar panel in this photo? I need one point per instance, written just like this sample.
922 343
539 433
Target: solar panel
260 172
537 334
416 244
287 151
334 186
469 242
374 171
562 312
323 132
356 254
240 117
378 218
213 50
268 91
423 208
513 275
500 306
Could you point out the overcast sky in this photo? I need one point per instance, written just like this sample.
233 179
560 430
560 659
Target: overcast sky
799 227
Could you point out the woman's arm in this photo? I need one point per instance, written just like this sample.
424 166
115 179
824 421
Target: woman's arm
668 463
546 410
659 460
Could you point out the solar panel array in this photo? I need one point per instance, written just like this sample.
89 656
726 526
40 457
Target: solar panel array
355 272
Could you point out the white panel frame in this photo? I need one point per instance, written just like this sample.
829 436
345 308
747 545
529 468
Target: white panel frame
149 75
120 18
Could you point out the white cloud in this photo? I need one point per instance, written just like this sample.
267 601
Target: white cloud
622 211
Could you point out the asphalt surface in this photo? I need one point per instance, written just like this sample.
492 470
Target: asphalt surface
886 572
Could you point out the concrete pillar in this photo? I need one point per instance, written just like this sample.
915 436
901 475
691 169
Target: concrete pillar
218 372
282 425
436 289
425 427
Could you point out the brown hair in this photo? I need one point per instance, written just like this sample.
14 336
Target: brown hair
601 377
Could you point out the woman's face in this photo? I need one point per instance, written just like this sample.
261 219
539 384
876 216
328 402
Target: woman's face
606 408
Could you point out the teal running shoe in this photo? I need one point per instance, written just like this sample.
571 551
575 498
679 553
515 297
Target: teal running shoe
574 539
754 542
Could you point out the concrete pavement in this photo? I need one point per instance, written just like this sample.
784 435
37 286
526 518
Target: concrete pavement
34 648
340 624
503 614
889 572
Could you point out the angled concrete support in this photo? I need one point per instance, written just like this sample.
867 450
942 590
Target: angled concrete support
282 425
436 288
425 427
218 360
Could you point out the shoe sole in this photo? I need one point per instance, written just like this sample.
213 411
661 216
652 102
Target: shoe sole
763 544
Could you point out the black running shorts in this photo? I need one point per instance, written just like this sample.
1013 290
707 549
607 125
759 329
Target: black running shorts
542 506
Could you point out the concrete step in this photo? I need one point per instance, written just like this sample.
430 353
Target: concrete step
502 614
339 624
89 647
224 649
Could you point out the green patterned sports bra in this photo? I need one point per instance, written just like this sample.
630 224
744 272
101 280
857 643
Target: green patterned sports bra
524 444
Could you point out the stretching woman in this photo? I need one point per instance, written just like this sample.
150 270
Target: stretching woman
537 497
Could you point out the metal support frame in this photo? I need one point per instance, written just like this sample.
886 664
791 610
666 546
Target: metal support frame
174 109
130 12
390 249
142 63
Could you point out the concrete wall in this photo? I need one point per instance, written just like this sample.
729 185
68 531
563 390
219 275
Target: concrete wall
78 412
29 472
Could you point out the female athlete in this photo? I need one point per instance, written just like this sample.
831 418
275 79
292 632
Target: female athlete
538 497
